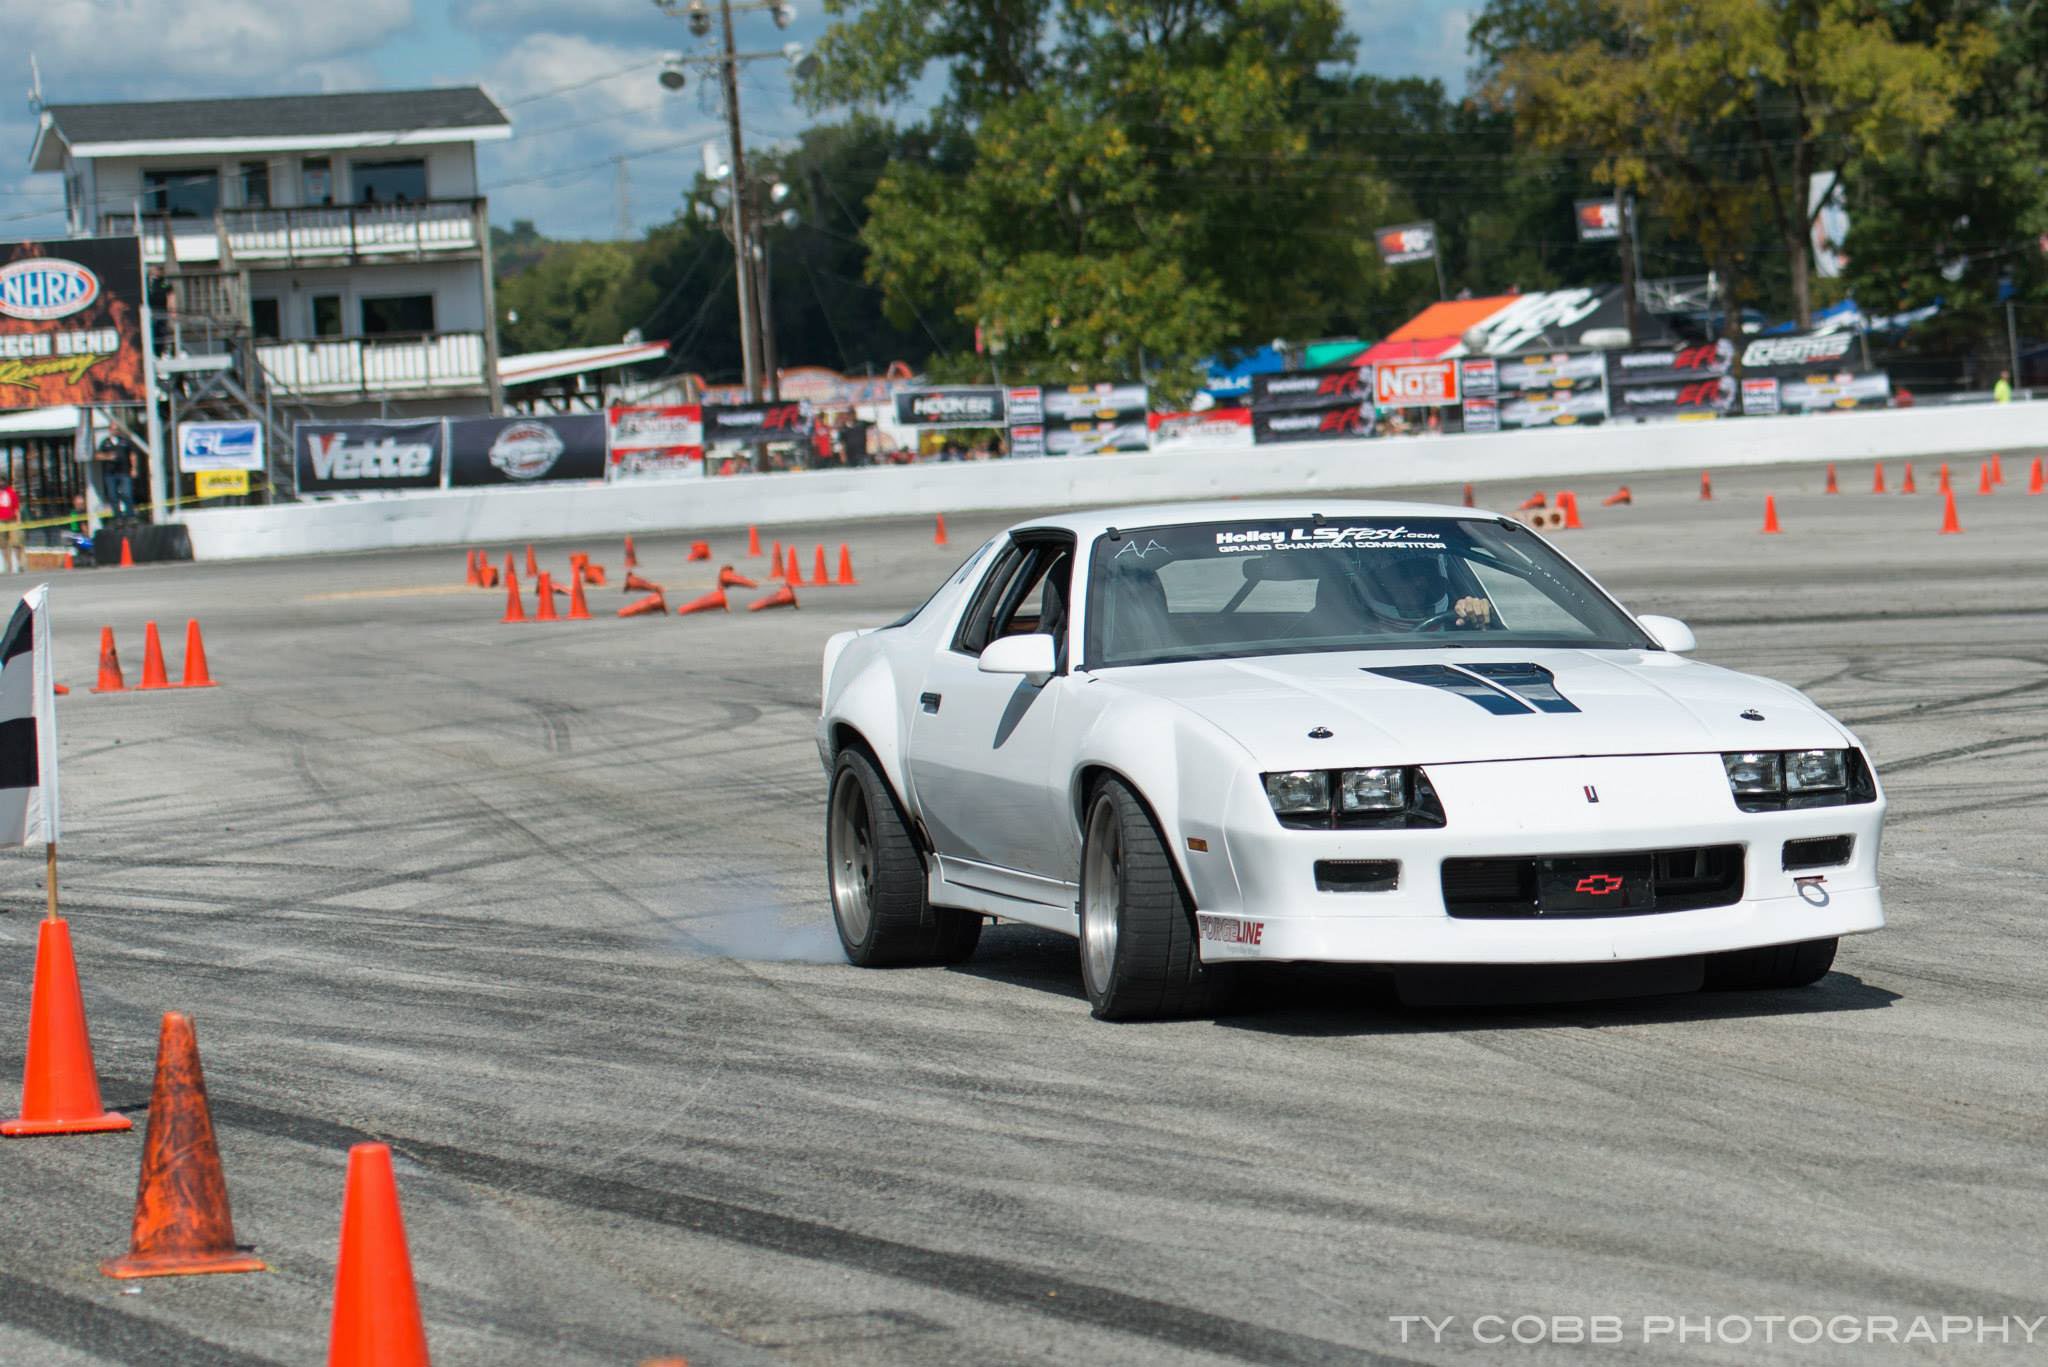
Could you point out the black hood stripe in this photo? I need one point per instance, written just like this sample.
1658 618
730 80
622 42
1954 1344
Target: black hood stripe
1506 690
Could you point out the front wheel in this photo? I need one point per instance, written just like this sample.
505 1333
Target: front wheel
1773 966
877 879
1138 955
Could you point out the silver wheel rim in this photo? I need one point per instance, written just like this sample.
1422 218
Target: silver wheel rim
850 851
1102 885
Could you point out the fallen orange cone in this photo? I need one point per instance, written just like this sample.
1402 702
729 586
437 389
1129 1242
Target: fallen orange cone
845 567
182 1223
376 1307
1536 500
784 597
594 572
635 584
196 675
729 578
653 602
1770 514
699 550
153 675
1618 498
60 1089
714 600
110 665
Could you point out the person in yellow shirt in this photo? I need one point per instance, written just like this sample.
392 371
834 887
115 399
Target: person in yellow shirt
2002 391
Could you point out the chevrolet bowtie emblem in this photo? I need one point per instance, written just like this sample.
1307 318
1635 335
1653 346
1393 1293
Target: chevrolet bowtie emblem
1592 793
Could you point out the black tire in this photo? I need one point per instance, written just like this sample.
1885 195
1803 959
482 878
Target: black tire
1773 966
1149 967
876 883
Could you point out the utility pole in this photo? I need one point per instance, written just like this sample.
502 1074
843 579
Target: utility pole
622 195
750 342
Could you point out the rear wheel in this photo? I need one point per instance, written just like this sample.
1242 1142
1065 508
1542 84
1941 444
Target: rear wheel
1772 966
1138 954
877 878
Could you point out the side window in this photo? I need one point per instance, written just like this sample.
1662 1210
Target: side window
977 626
1025 592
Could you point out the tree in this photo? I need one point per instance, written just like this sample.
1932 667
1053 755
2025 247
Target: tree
1721 111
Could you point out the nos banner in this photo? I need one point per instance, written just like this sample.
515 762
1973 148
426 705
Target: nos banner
526 450
71 323
1416 384
355 457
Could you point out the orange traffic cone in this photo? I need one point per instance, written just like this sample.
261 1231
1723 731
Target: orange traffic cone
1949 524
1834 488
1468 496
487 574
753 541
713 599
153 675
1906 485
1984 484
514 610
819 574
1997 468
653 602
635 584
1706 486
2034 484
1876 479
845 566
1569 502
509 576
67 561
182 1223
532 565
775 561
699 550
110 665
544 591
594 572
1619 498
1535 500
784 597
61 690
127 554
938 536
60 1090
579 609
195 658
1770 514
632 560
1945 486
376 1308
728 578
793 573
470 576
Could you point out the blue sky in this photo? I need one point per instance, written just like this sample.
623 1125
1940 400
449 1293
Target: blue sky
577 76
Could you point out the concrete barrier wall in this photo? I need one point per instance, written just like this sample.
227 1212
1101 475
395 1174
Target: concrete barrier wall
1186 471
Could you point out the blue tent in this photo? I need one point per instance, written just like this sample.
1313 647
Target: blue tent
1230 374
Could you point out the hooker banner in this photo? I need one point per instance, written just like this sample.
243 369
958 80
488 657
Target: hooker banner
952 406
526 450
71 323
354 457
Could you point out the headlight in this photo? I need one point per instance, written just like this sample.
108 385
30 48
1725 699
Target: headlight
1815 771
1754 773
1372 790
1302 792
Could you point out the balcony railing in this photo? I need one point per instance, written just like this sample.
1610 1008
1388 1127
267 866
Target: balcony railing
326 235
377 366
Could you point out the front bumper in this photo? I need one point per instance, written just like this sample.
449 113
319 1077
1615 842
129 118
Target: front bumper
1258 897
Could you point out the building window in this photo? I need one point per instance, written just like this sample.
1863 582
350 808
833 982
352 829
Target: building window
316 182
389 182
398 314
327 315
256 185
181 194
263 319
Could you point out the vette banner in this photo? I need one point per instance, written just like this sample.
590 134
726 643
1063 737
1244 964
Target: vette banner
71 323
359 457
526 450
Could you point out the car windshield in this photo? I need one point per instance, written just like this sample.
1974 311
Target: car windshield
1284 585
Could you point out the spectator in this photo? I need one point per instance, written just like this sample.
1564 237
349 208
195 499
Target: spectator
854 440
10 527
951 451
117 464
2002 391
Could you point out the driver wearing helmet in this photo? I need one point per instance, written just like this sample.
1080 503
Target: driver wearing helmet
1412 588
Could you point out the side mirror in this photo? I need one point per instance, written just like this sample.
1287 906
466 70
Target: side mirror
1674 635
1034 656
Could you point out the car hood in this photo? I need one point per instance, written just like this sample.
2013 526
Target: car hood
1600 702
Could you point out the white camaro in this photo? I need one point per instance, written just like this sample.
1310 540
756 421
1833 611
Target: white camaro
1354 732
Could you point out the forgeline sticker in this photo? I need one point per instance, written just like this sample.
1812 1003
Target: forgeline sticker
1230 930
1331 538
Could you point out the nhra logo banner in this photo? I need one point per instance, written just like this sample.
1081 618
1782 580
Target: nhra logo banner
1599 220
1333 424
1406 242
71 323
526 450
756 422
954 406
1310 389
1416 384
356 457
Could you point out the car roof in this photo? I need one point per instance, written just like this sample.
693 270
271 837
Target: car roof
1092 522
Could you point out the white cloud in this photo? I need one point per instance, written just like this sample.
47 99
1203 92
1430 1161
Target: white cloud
1412 38
160 48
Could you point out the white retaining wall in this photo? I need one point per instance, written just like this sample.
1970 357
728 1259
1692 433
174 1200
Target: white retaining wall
458 518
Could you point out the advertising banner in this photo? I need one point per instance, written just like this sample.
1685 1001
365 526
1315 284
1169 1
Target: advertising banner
1211 427
1026 404
1759 396
219 446
656 439
1406 242
1692 400
1349 420
1671 365
221 483
1094 402
1599 220
1559 370
727 423
1027 439
1416 384
950 406
1820 393
1482 415
1481 380
358 457
1096 438
1797 352
1303 390
1566 409
526 450
71 323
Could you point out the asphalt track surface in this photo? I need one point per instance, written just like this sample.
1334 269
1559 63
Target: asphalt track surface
543 907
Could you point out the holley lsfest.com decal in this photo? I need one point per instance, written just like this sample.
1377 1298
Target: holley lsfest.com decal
1355 537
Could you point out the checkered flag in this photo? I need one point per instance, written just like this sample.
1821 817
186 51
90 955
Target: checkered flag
28 726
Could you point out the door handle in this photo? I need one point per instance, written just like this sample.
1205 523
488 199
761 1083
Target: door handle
928 701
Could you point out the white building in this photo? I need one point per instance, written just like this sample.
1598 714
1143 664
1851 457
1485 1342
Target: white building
343 237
